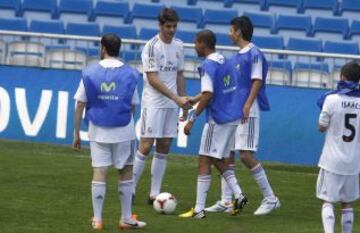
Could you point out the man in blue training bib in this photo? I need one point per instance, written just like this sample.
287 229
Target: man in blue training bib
219 96
108 92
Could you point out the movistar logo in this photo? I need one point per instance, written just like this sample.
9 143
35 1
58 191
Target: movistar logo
105 87
227 80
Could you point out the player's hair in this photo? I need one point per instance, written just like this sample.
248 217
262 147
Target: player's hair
112 43
207 37
168 15
244 25
351 71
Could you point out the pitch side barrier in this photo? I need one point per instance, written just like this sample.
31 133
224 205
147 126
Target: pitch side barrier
36 104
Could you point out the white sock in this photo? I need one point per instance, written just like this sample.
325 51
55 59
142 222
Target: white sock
202 188
347 220
261 179
226 193
230 178
125 195
328 217
138 168
98 191
158 167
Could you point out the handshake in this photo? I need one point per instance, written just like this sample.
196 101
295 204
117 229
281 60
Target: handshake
185 102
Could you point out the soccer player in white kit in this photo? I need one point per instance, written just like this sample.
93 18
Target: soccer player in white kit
339 163
108 92
163 94
252 68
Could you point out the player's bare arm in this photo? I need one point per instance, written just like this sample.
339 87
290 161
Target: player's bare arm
322 128
180 83
154 81
205 99
255 88
80 106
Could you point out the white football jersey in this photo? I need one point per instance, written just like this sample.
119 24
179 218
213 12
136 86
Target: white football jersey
166 60
341 151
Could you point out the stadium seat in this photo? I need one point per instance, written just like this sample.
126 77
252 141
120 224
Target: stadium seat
111 13
283 3
125 31
354 30
55 27
218 20
90 52
349 5
17 24
190 17
145 15
311 75
248 5
269 42
290 23
222 3
304 45
186 36
128 56
2 52
65 59
223 39
83 29
25 53
341 47
9 8
279 73
147 33
75 11
266 22
190 68
329 27
328 5
39 9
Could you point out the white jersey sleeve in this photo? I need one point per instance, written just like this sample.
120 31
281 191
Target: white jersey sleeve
181 58
80 94
325 115
135 99
149 57
257 69
206 83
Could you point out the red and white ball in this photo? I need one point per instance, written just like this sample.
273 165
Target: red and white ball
165 203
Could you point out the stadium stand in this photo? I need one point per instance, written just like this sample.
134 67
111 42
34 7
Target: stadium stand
187 36
223 39
304 45
311 75
289 25
39 9
293 4
191 17
18 24
354 33
9 8
218 20
65 59
145 14
75 11
264 23
55 27
125 31
330 6
83 29
269 42
25 53
341 47
279 73
111 13
349 5
147 33
331 28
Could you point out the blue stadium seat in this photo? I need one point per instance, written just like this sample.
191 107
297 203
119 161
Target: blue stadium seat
13 24
279 73
9 8
145 11
128 56
56 27
304 45
223 39
349 5
340 47
186 36
219 16
354 28
39 9
107 12
266 21
269 42
189 14
255 2
147 33
226 3
126 31
82 29
75 10
285 3
331 5
331 25
311 75
296 23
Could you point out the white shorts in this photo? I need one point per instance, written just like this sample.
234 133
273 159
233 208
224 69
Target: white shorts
217 140
247 135
159 122
117 154
334 188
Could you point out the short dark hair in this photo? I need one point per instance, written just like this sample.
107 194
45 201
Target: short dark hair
244 24
168 15
112 43
207 37
351 71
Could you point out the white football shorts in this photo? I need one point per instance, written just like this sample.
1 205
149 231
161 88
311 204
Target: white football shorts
159 122
118 154
217 140
247 135
334 188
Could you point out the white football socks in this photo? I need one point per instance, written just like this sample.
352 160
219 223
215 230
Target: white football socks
125 189
158 167
98 191
261 179
347 220
230 178
226 192
202 188
138 168
328 217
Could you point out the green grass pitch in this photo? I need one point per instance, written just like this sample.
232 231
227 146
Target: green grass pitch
46 189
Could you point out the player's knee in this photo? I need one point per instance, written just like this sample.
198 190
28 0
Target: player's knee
163 146
99 174
126 173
